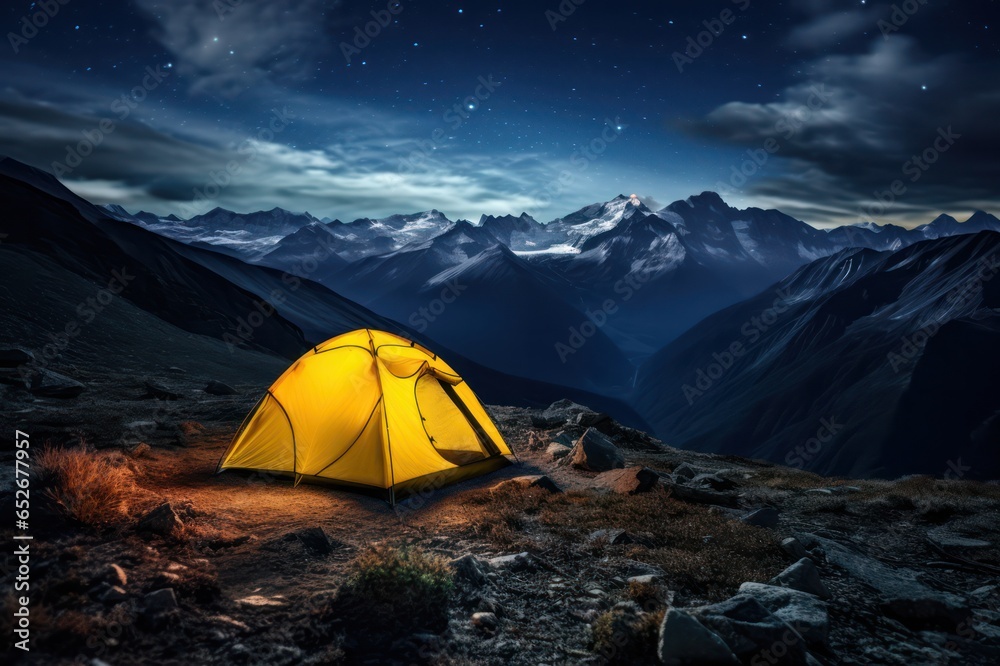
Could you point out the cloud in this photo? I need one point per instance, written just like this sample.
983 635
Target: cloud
225 49
875 116
365 170
827 30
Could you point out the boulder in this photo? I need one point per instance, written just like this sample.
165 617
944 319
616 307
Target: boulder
688 471
527 482
794 548
945 538
803 611
487 622
596 453
162 520
686 642
48 384
557 451
160 600
627 481
697 495
515 562
902 595
588 419
713 481
160 392
469 569
804 577
13 357
766 517
557 414
218 388
751 631
613 537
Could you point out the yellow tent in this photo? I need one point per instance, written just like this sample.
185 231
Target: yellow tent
372 411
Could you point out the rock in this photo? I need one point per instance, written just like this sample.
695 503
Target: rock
12 357
697 495
218 388
563 438
688 471
636 568
162 520
794 548
557 451
713 481
647 579
613 537
116 575
160 601
766 517
627 481
526 482
984 592
486 622
469 569
515 562
753 632
942 611
597 453
114 595
686 642
803 611
315 540
160 392
902 595
945 538
804 577
588 419
558 413
48 384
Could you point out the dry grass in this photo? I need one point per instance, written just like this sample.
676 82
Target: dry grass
92 488
704 553
393 587
621 637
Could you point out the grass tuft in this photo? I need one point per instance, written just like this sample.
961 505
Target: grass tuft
88 487
392 588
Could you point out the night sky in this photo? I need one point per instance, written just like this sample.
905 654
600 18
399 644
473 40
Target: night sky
572 109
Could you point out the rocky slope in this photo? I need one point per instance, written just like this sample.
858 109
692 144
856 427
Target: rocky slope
666 557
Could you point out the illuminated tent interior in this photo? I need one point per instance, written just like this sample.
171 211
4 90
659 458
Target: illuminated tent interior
372 411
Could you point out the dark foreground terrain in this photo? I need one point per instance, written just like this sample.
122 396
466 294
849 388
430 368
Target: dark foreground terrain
176 565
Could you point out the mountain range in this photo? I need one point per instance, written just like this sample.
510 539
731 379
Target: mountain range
748 332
